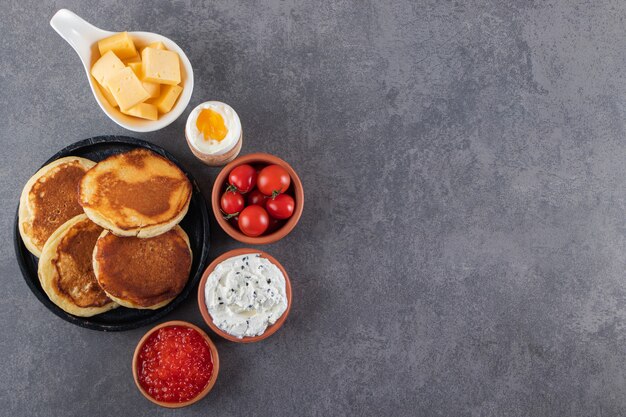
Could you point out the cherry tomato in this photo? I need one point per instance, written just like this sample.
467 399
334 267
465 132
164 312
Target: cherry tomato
234 220
231 202
275 224
273 180
280 207
256 198
253 221
243 178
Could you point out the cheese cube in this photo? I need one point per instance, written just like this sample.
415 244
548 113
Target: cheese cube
152 88
126 88
120 43
107 65
157 45
160 66
136 58
108 96
143 110
136 67
169 94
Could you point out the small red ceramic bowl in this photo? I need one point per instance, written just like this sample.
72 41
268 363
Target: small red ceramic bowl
214 357
205 311
258 160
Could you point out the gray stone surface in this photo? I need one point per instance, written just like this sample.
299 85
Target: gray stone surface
463 243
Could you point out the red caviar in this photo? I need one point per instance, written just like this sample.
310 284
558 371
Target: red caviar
174 364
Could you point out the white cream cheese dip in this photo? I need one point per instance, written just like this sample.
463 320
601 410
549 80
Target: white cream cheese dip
245 294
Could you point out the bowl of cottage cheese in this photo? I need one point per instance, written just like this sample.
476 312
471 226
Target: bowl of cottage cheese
244 295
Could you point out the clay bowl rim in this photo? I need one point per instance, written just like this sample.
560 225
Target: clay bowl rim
204 311
263 158
214 357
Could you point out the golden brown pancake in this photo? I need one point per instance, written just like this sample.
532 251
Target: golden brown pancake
143 272
66 269
137 193
49 199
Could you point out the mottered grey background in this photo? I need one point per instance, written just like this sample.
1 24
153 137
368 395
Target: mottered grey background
462 247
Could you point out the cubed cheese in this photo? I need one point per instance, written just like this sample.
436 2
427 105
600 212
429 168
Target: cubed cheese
126 88
120 43
157 45
153 89
108 96
159 66
143 110
136 67
107 65
136 58
169 94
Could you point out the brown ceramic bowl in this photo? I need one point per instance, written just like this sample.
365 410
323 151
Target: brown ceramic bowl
205 311
295 189
214 357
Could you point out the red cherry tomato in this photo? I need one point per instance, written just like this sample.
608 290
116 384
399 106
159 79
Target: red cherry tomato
273 179
280 207
243 178
253 221
231 202
256 198
234 220
275 224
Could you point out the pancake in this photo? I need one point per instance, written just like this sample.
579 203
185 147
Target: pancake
137 193
66 269
144 273
49 199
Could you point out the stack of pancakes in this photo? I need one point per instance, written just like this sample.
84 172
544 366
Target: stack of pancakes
107 233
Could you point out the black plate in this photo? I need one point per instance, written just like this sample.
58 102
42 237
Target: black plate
195 223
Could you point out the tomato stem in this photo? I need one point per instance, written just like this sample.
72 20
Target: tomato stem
227 216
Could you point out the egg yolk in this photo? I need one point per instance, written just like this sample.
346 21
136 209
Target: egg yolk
211 124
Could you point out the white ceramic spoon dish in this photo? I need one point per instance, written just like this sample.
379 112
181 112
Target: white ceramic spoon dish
83 37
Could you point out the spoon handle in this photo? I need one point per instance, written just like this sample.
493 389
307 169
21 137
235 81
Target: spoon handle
80 34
